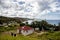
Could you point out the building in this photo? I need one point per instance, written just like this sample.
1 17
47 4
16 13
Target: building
37 28
25 30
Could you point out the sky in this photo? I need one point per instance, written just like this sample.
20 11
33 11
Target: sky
34 9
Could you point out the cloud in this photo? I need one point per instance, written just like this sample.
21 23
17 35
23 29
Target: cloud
55 6
30 8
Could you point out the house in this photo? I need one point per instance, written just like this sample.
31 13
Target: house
52 29
25 30
37 28
4 24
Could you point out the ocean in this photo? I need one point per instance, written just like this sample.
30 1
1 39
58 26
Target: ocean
49 21
53 21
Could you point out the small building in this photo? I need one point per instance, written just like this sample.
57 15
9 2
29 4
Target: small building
37 29
4 24
25 30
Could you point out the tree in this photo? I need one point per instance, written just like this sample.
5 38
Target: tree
26 24
22 24
54 25
33 25
59 24
44 24
57 28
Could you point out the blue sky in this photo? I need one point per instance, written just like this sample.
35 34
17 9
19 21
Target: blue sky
38 9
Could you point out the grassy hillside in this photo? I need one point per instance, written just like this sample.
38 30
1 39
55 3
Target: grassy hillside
34 36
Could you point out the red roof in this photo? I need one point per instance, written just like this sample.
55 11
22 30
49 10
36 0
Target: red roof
25 28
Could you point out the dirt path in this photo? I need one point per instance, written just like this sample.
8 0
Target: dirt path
40 33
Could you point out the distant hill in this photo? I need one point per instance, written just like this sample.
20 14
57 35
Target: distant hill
7 19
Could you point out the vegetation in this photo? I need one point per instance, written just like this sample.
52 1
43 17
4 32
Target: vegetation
11 23
52 31
3 29
8 19
34 36
42 25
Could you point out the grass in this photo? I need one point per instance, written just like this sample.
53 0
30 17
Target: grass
18 37
34 36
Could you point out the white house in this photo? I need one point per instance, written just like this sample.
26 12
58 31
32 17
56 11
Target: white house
37 29
25 30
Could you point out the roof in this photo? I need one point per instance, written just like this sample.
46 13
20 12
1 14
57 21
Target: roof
25 28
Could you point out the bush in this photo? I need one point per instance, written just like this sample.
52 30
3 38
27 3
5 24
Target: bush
51 31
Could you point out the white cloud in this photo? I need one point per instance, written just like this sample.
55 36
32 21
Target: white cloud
30 9
54 7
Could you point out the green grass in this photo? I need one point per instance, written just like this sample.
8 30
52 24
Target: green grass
34 36
18 37
50 36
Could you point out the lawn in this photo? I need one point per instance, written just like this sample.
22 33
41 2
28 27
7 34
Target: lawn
34 36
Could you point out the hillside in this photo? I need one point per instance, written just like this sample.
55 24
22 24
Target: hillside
7 19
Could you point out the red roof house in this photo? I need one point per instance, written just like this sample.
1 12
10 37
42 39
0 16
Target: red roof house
25 30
